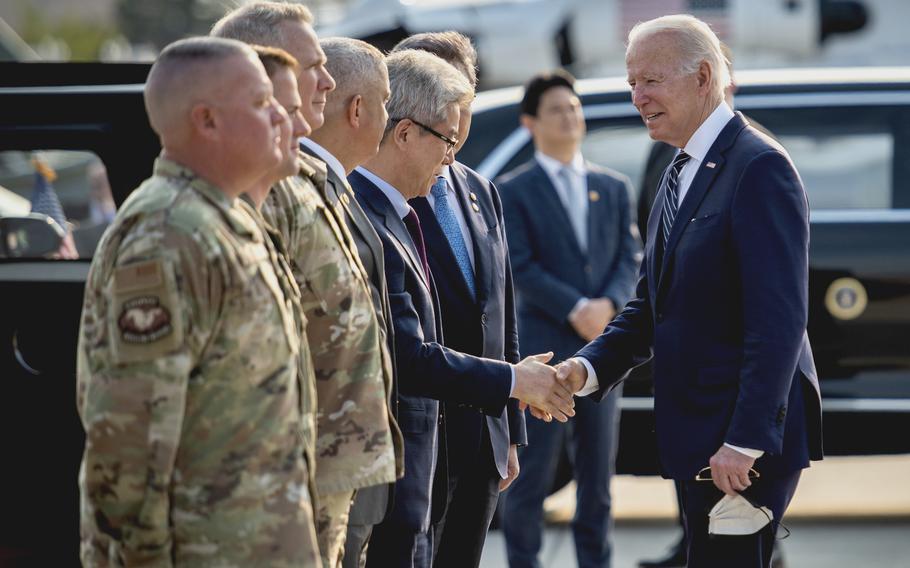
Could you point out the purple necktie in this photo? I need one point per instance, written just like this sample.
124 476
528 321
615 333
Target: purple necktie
413 224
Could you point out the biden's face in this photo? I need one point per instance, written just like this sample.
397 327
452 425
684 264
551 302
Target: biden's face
671 101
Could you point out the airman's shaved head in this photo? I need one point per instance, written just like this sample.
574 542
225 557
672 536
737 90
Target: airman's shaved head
212 105
186 72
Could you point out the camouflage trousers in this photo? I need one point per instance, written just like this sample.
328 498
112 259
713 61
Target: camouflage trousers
332 525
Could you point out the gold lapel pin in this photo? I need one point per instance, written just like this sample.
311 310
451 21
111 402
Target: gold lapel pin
593 195
473 196
475 207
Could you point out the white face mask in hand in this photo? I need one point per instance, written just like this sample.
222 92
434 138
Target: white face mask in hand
734 515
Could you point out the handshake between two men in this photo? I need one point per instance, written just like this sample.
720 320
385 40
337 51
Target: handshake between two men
548 391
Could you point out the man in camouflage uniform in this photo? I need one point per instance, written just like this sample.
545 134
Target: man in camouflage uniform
282 70
188 352
354 446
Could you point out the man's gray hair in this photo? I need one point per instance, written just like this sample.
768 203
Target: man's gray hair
423 86
258 22
696 42
355 65
454 47
175 68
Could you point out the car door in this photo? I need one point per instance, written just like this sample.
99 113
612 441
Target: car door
75 127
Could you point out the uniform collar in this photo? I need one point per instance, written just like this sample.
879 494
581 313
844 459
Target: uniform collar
239 222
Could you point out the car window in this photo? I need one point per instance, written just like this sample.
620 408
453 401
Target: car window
70 188
621 147
845 156
847 171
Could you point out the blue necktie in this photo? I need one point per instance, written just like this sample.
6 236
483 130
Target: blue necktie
449 224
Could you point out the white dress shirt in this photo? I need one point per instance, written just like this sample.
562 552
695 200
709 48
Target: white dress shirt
326 156
697 147
399 203
455 206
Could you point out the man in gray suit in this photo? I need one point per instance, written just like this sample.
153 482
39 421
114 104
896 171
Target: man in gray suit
355 119
575 259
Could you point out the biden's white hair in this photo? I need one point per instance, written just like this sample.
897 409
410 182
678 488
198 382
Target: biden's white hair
695 41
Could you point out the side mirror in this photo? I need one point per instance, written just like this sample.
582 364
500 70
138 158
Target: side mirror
32 236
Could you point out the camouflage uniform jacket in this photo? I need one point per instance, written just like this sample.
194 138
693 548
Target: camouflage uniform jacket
305 372
187 389
354 442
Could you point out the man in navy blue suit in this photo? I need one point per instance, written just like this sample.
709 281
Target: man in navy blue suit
721 299
426 96
466 248
575 257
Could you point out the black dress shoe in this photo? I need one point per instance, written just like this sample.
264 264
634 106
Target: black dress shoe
675 559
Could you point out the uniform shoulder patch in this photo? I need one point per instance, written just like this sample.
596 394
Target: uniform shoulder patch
144 301
144 320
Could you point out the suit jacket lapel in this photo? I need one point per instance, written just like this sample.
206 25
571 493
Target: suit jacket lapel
598 210
654 234
395 225
550 201
707 171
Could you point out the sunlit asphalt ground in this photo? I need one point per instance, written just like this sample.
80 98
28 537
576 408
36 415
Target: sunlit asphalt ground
847 513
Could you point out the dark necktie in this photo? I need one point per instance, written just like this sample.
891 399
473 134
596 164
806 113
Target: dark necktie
412 222
671 195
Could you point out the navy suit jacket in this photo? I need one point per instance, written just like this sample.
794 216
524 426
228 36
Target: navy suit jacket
725 309
426 371
485 327
552 272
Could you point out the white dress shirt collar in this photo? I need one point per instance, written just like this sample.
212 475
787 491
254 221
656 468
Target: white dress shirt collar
393 195
698 145
324 155
704 137
552 165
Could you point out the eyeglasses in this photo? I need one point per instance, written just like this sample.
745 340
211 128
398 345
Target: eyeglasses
452 142
704 474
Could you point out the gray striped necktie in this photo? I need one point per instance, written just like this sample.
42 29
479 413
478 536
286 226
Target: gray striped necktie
576 207
671 195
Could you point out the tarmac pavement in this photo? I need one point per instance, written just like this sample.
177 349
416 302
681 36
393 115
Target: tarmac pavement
848 512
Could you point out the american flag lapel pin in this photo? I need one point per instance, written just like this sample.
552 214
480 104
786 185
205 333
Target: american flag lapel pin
710 165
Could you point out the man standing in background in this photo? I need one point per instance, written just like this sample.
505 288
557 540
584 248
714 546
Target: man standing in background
575 258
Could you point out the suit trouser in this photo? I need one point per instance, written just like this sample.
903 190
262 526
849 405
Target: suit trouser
473 492
592 437
722 551
369 508
356 545
394 545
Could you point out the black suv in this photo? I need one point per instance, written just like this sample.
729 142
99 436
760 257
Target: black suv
848 131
